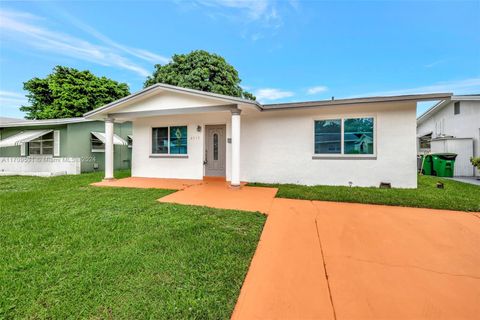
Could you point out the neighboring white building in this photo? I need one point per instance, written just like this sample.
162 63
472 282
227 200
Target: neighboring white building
452 126
190 134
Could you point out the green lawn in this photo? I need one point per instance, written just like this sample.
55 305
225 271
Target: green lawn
70 250
455 196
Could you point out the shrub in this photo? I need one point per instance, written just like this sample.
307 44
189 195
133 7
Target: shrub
475 162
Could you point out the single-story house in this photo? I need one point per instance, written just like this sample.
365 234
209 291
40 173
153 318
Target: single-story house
452 126
190 134
60 146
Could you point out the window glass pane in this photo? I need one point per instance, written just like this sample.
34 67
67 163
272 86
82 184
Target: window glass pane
456 109
34 144
47 144
178 140
358 136
160 140
48 136
215 146
328 136
97 144
47 150
32 150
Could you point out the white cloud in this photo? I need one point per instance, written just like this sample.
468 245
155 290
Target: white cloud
9 98
255 9
4 93
139 53
317 89
272 94
464 86
264 13
295 4
10 103
434 63
25 28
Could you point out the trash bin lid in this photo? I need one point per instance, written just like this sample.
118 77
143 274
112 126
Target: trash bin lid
445 156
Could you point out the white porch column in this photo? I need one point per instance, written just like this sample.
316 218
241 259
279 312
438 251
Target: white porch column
109 149
235 177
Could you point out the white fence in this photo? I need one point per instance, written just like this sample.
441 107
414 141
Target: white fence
39 166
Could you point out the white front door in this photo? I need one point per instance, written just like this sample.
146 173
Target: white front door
215 150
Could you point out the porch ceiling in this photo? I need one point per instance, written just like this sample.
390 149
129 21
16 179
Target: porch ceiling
177 111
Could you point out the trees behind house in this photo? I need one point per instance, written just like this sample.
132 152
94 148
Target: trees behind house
68 92
200 70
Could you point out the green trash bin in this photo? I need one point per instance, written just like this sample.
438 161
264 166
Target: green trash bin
427 165
443 164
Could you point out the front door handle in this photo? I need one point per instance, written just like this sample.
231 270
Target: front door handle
205 161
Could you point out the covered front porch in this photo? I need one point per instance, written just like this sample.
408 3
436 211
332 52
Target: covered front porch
210 192
179 133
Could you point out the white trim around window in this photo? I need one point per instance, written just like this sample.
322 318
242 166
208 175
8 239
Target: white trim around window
342 155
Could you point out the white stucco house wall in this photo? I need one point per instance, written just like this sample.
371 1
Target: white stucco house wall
453 126
190 134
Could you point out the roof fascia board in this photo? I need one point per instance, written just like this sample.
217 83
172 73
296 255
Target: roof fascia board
344 102
466 98
49 122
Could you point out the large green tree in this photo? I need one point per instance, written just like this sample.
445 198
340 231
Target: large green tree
68 92
200 70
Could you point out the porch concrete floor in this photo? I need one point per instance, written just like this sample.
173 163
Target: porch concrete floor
219 194
327 260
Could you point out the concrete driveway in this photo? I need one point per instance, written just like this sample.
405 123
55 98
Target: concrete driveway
325 260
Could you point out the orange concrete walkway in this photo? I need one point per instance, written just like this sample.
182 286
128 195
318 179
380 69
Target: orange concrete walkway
382 262
219 194
326 260
211 192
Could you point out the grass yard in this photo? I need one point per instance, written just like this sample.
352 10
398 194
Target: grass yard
70 250
456 195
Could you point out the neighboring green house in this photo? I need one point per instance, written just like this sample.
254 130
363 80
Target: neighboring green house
60 146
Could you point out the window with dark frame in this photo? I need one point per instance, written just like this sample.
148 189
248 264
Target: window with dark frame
456 107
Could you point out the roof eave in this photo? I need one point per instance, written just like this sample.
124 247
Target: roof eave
340 102
167 87
47 122
441 104
423 117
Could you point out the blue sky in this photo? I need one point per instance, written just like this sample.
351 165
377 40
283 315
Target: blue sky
284 50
